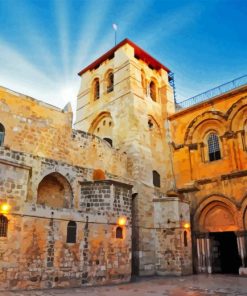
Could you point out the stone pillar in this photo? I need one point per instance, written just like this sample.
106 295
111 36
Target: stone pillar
241 240
242 251
203 253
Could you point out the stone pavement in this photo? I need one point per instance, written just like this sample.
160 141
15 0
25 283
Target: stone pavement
195 285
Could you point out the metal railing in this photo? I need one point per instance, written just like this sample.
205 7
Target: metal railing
212 93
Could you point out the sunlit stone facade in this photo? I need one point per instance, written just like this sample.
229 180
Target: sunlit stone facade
177 180
64 201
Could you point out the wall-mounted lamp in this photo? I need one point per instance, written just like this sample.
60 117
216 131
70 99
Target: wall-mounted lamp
186 225
4 208
122 221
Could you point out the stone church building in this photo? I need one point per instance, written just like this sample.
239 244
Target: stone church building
140 185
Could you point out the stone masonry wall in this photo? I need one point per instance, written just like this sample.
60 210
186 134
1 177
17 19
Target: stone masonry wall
35 253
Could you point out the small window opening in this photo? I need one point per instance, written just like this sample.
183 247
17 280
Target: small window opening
98 129
108 140
185 239
96 89
71 232
110 82
3 226
156 179
153 92
2 133
110 123
119 232
150 123
213 147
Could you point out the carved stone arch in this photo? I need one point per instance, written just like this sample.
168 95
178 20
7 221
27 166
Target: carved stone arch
153 123
97 119
208 118
238 115
55 191
215 214
232 110
107 72
102 126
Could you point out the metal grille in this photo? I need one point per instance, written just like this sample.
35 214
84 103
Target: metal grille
213 147
221 89
71 232
3 226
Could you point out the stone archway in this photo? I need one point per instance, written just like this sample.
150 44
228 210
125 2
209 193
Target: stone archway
216 220
55 191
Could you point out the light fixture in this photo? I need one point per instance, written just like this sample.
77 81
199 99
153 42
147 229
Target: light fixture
121 221
186 225
4 208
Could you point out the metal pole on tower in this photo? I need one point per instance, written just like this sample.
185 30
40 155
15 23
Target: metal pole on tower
114 26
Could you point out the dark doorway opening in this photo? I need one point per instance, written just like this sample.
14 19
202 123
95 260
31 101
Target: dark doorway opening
224 250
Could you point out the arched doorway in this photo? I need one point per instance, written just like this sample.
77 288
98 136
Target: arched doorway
216 240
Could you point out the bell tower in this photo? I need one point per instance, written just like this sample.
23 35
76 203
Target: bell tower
125 98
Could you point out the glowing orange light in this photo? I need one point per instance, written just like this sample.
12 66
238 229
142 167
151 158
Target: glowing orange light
186 225
121 221
4 208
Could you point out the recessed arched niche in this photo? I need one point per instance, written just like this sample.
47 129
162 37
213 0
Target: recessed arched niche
102 126
54 191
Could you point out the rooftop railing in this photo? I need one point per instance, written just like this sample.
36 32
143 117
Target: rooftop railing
212 93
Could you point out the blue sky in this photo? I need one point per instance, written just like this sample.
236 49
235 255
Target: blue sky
45 43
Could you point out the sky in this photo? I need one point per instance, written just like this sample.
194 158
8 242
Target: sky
45 43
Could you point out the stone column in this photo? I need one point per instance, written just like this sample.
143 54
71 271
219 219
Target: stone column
241 240
208 254
203 253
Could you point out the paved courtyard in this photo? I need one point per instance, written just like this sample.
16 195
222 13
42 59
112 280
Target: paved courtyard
196 285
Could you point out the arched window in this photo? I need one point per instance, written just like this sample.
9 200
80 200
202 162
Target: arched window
119 232
96 89
185 239
156 179
153 91
3 226
110 82
2 133
71 232
213 147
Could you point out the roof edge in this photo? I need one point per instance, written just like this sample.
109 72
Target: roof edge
109 53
